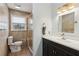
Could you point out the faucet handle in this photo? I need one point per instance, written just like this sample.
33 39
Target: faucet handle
62 34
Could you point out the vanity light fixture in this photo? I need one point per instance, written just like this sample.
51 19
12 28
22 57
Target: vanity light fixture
64 10
58 12
72 7
66 7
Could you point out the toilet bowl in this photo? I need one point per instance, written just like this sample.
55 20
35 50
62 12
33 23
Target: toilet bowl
14 46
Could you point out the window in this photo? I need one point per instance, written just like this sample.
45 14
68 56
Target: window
3 23
18 23
3 26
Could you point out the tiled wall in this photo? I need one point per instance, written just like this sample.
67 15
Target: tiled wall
3 33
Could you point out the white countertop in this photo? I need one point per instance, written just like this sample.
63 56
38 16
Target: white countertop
67 42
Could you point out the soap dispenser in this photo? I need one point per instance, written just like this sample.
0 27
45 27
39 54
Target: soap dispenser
43 29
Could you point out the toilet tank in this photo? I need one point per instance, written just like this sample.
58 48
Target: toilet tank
10 40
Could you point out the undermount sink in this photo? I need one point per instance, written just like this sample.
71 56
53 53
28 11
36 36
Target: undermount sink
57 37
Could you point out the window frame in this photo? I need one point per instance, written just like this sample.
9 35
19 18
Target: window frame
12 28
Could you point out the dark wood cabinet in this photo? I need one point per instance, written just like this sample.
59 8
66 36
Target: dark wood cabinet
51 48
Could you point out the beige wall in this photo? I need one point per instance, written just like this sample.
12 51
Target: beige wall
18 35
3 34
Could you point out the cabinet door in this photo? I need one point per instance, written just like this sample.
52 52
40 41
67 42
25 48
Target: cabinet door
60 52
54 49
50 50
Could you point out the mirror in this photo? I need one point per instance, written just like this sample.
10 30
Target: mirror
66 23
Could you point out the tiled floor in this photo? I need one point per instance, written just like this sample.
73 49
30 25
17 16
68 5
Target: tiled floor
23 52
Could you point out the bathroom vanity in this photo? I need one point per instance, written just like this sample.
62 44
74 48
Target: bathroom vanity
59 47
67 23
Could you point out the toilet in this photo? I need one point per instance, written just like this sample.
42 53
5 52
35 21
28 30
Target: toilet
14 46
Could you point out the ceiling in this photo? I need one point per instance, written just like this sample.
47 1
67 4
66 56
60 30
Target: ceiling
26 7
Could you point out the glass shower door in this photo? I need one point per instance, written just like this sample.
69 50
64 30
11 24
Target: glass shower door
29 34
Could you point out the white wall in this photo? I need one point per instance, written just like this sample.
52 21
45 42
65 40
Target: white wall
77 19
41 14
55 20
3 34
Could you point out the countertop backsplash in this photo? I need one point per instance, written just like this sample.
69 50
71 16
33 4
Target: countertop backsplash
73 36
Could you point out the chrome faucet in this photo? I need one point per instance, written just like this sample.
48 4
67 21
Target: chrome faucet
62 34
